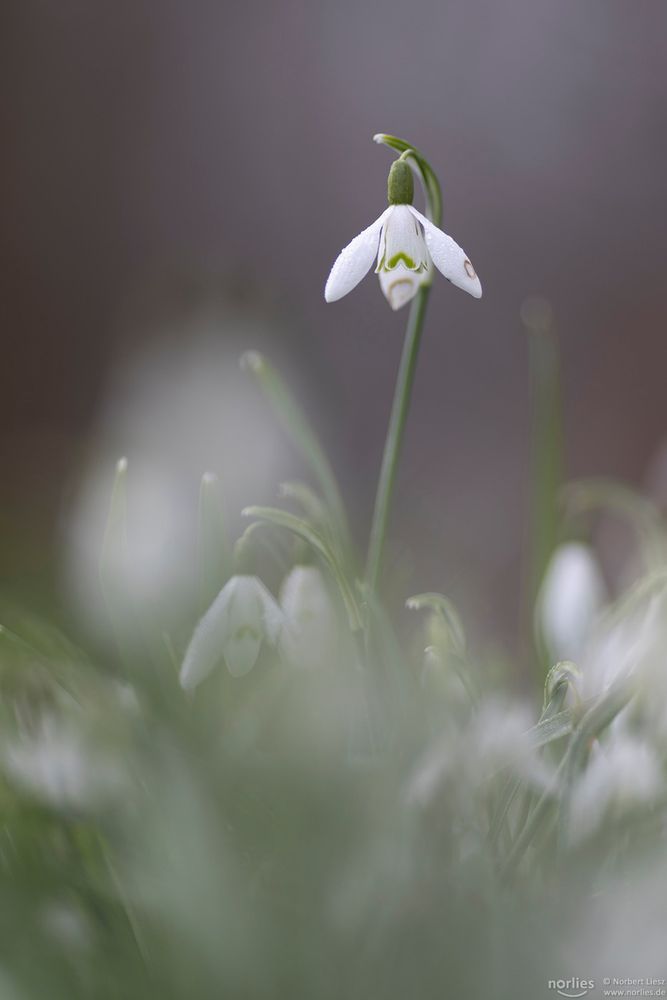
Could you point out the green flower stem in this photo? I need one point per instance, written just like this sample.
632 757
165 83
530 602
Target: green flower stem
394 440
406 373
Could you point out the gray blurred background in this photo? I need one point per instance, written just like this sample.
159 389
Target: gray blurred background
167 161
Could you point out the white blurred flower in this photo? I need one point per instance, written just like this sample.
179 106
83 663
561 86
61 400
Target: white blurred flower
495 738
59 766
637 648
241 618
67 925
572 595
406 245
311 632
630 643
175 406
622 774
624 926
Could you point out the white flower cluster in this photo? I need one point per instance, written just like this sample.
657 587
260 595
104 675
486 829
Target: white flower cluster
611 645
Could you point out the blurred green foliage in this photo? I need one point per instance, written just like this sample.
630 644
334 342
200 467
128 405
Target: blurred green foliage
359 816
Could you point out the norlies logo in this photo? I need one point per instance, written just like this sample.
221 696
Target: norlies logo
573 987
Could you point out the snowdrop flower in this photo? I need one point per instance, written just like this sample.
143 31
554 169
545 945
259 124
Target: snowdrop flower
572 596
495 738
311 632
407 246
622 775
241 618
630 644
57 766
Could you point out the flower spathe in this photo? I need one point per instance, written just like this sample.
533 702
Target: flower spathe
407 246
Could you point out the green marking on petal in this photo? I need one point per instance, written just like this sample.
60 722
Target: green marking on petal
408 261
247 632
401 256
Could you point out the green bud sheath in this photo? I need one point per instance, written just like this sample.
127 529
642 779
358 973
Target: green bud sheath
400 186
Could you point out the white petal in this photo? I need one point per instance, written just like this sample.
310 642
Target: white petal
402 242
401 285
449 258
625 775
571 597
254 615
241 650
241 617
205 648
354 261
273 617
311 635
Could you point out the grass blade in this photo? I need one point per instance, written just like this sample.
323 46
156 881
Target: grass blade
297 426
301 528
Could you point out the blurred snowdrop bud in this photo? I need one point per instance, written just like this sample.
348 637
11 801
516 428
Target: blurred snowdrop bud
622 775
633 646
241 618
311 624
56 765
628 642
499 737
571 597
494 739
175 406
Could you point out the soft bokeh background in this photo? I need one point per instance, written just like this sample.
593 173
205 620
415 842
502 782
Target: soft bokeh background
176 180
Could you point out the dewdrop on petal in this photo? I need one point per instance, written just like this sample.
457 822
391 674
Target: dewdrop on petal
406 246
242 617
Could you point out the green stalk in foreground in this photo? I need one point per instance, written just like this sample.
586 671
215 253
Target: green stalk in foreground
394 439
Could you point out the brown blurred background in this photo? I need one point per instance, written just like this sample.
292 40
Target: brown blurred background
161 159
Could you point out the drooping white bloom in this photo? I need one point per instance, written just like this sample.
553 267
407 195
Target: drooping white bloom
311 632
629 644
241 618
57 765
407 246
572 596
623 774
495 738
